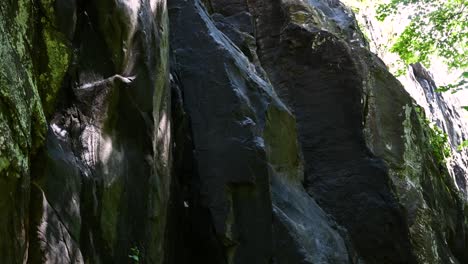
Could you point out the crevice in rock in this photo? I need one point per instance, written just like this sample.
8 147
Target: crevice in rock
190 234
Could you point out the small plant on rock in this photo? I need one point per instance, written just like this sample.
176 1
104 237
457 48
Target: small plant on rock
134 254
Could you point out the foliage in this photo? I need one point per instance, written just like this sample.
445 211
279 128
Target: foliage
436 28
134 254
438 139
439 143
462 83
463 145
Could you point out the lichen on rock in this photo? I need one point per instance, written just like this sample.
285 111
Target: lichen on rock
22 127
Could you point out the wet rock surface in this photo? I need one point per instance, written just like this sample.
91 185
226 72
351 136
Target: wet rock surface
255 132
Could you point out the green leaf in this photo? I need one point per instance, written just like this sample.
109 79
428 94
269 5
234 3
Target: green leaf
463 145
436 28
136 258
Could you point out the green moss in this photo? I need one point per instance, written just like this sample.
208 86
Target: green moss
21 117
423 238
58 54
437 139
39 126
116 27
48 7
434 216
433 137
57 60
4 163
281 141
161 114
21 122
411 156
303 14
111 197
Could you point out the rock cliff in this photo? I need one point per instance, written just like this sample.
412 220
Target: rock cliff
218 131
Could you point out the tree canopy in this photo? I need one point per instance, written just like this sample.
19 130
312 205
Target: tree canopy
437 28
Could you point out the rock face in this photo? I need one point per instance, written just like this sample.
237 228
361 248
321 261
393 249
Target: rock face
100 184
246 199
414 156
446 115
322 76
255 132
22 127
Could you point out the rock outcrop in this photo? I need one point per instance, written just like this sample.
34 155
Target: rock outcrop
22 127
441 109
247 162
99 186
218 131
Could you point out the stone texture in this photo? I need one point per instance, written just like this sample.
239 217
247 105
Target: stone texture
441 109
101 182
320 76
244 148
436 210
270 135
331 81
22 127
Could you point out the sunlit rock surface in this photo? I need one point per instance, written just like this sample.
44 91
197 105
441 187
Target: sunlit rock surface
99 186
218 131
445 112
22 127
246 199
